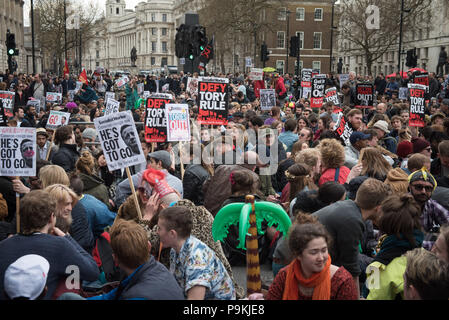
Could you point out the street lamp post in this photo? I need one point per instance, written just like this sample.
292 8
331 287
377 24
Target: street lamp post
32 38
287 38
331 59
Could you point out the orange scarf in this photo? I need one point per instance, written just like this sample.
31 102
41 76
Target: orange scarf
321 282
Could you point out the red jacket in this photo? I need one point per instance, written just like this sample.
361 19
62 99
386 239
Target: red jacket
280 87
329 175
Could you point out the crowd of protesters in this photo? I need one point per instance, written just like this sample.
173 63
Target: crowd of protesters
369 214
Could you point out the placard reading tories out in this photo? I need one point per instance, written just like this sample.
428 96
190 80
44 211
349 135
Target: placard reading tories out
364 95
17 152
155 119
119 140
213 101
318 85
178 122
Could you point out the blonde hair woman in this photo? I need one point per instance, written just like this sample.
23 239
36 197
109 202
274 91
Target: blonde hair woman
53 174
374 164
66 200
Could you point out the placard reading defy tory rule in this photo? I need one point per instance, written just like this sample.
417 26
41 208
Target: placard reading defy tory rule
213 96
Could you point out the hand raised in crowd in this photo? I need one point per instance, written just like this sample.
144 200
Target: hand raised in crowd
355 172
152 206
19 187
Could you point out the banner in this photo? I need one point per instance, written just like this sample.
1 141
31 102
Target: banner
417 93
364 95
306 78
332 96
119 140
122 81
213 96
192 86
343 79
256 74
7 98
155 119
17 152
178 123
53 97
57 119
318 85
267 99
146 94
112 106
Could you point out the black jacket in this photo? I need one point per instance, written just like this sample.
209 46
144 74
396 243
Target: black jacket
66 157
192 184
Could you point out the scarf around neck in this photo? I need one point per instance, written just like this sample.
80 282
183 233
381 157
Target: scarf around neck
320 281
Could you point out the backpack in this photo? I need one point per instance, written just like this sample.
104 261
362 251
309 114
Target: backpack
105 260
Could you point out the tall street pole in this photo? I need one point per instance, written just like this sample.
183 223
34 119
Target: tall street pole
400 39
287 38
32 38
332 38
65 30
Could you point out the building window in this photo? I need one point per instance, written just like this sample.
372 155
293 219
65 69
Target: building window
164 17
164 62
280 66
281 39
318 16
97 54
153 46
316 65
153 61
300 64
300 12
154 31
97 64
164 31
153 17
317 40
282 14
164 47
117 11
300 34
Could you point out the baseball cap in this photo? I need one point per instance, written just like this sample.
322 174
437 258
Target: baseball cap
26 277
161 155
357 136
382 125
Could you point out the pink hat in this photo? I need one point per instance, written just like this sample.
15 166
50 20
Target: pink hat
71 105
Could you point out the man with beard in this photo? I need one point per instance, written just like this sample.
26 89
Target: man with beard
129 138
421 186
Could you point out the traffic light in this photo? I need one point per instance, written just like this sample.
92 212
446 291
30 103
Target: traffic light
412 59
199 39
264 54
11 44
294 46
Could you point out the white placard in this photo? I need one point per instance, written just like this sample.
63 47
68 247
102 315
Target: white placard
71 95
248 62
343 79
403 93
140 88
108 95
17 152
122 81
146 94
267 99
119 140
178 123
7 98
256 74
192 86
36 104
53 97
112 106
79 84
57 119
165 87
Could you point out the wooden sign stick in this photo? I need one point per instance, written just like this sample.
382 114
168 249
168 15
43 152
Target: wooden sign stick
180 160
136 200
49 146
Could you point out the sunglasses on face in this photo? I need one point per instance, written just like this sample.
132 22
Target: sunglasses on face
420 187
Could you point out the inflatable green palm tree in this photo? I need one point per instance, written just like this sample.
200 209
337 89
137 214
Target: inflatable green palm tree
249 216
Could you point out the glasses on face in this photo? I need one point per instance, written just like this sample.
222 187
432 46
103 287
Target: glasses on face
420 187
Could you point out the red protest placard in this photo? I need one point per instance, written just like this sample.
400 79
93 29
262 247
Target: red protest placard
213 96
155 119
318 85
364 95
417 94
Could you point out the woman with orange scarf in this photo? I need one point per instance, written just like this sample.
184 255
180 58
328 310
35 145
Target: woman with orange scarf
311 276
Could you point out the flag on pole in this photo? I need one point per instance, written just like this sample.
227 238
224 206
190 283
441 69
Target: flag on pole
83 77
66 68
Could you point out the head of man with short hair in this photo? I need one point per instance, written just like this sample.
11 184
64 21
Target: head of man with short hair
426 277
37 212
443 153
175 226
355 117
370 195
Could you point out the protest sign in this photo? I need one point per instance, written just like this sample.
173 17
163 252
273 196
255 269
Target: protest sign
71 95
192 86
7 97
423 79
57 119
112 106
108 95
343 79
140 89
79 84
330 95
166 87
146 94
318 85
122 81
17 152
343 129
3 118
306 78
155 119
267 99
417 94
256 74
178 123
364 95
248 62
119 140
306 91
213 96
53 97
